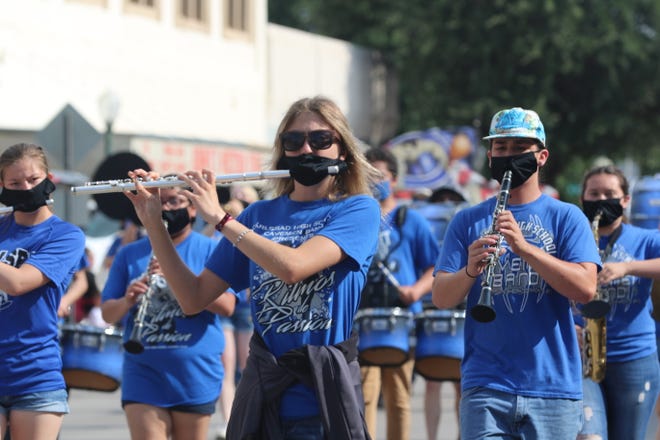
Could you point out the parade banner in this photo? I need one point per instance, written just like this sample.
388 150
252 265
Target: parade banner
433 158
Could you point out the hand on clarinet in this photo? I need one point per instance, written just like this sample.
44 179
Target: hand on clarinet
508 226
479 253
136 289
204 195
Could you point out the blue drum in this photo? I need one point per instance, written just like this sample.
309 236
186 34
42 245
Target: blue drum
384 336
439 348
438 215
92 357
645 204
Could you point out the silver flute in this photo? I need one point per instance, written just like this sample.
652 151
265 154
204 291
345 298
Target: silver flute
9 209
110 186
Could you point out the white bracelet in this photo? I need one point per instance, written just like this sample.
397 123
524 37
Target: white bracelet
240 236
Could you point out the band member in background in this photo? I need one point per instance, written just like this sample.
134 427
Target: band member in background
619 407
521 373
432 392
39 253
304 256
77 288
407 248
170 389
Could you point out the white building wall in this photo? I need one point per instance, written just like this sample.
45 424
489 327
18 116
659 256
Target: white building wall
172 82
180 90
302 64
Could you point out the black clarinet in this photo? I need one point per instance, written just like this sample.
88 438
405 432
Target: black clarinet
484 311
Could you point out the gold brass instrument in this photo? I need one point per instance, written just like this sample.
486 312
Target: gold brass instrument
594 333
594 348
484 311
109 186
599 306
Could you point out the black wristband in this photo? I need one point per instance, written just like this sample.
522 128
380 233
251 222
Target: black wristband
223 222
468 273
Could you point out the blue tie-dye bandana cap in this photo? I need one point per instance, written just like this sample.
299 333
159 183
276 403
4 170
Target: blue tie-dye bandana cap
517 122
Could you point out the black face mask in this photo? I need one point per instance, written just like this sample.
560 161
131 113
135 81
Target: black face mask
522 167
309 169
176 219
611 210
28 200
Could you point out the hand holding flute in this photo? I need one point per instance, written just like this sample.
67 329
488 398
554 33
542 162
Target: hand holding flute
201 191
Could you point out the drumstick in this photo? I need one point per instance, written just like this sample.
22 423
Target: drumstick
388 274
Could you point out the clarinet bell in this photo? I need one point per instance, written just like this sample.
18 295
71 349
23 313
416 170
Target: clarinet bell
483 311
133 347
596 309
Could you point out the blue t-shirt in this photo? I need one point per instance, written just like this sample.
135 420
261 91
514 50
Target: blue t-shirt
630 326
180 364
407 249
531 347
320 309
29 343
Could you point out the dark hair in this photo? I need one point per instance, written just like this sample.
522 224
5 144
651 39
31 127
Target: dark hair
446 194
382 155
607 169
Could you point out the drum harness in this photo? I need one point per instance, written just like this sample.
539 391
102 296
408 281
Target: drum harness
381 265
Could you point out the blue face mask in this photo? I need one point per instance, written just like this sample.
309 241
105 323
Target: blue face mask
382 190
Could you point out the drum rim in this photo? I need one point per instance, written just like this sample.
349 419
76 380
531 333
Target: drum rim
384 312
90 329
445 313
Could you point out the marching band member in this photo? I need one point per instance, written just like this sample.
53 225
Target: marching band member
619 407
304 256
407 248
40 252
169 390
521 372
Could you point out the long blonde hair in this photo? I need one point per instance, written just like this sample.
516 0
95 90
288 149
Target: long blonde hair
360 174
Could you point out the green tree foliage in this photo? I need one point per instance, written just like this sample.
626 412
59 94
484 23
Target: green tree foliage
588 67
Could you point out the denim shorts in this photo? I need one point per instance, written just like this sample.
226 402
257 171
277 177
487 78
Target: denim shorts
42 401
204 408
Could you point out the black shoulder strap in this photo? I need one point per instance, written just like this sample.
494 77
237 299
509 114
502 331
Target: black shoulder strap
400 217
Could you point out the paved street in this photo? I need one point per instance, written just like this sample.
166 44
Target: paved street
98 416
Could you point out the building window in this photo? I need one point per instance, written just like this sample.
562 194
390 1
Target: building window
238 17
148 8
103 3
193 14
143 3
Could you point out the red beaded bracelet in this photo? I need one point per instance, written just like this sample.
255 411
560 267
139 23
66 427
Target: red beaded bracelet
221 224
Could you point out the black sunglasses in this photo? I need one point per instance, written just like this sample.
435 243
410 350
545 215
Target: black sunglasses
317 139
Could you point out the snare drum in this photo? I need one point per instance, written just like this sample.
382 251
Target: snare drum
439 348
92 357
384 336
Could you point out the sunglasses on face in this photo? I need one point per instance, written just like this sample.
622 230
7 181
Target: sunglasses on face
317 139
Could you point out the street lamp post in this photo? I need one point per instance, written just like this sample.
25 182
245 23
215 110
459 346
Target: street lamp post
109 108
